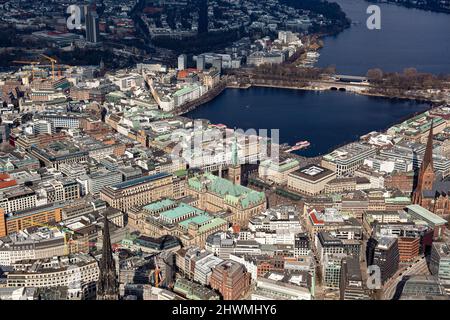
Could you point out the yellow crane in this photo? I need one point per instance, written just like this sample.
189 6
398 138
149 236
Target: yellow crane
32 63
67 234
53 61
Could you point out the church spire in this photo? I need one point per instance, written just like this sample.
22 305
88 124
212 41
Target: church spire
428 157
107 286
426 176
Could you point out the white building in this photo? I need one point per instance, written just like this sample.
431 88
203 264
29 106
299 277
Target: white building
182 62
280 286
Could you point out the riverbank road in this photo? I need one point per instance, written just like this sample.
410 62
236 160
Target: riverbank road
419 267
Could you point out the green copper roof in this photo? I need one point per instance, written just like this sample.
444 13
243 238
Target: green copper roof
215 222
232 193
291 163
398 200
200 219
180 211
185 90
158 205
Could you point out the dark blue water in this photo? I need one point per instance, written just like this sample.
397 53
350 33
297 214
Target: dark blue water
408 38
326 119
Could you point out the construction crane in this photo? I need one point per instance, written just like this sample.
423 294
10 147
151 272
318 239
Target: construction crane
32 63
68 233
53 61
65 231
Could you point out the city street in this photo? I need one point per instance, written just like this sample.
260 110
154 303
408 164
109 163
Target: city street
419 267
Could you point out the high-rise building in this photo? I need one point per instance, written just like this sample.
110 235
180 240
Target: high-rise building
201 62
217 64
107 285
383 252
92 29
182 62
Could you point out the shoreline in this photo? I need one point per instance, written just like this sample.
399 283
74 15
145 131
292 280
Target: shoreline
196 104
192 105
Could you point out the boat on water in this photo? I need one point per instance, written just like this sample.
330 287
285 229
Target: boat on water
303 144
299 145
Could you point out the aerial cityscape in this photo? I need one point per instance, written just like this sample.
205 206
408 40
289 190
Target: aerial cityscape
224 150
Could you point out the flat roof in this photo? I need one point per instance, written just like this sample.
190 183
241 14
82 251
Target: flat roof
312 172
140 180
426 214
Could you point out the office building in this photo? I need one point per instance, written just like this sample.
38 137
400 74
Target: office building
408 248
440 262
347 159
57 271
326 244
351 284
27 218
331 269
141 191
310 180
283 285
182 62
201 61
277 171
383 252
194 291
231 279
302 245
104 178
92 27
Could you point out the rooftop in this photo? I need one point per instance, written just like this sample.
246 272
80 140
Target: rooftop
426 214
138 181
312 172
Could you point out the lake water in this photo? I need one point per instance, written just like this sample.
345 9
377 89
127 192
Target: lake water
326 119
407 38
